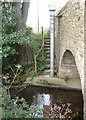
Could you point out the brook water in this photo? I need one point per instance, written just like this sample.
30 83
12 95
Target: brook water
46 98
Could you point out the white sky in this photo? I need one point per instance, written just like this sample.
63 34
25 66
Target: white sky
44 14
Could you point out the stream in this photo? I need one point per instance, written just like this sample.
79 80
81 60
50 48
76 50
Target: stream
55 102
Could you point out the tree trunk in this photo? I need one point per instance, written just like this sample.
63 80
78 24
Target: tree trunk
18 6
25 7
24 53
23 50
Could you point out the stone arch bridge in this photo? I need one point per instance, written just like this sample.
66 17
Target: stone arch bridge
70 42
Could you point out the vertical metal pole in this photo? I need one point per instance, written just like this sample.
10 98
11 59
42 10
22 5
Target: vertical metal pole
51 43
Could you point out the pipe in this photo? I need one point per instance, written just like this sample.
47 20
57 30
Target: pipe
52 43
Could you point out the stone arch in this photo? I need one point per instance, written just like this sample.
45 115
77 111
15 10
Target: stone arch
68 67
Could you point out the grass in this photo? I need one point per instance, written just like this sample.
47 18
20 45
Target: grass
45 82
66 79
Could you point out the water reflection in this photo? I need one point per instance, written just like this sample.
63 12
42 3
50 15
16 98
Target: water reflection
50 98
42 101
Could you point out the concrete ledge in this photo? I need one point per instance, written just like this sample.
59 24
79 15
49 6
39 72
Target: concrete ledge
55 87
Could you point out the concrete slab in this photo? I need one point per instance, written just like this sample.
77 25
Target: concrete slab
54 81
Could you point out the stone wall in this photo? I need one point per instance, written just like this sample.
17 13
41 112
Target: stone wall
69 35
85 64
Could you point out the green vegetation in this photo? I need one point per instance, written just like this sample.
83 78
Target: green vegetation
12 38
13 72
16 108
45 82
41 63
66 78
47 33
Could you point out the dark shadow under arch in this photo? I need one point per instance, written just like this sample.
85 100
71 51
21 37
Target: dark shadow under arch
68 66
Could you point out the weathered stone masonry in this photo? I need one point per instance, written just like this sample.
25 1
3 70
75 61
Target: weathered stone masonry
69 40
85 60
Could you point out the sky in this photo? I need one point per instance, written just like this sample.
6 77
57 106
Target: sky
44 14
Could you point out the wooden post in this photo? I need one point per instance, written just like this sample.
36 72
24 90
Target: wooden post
42 40
35 62
42 34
